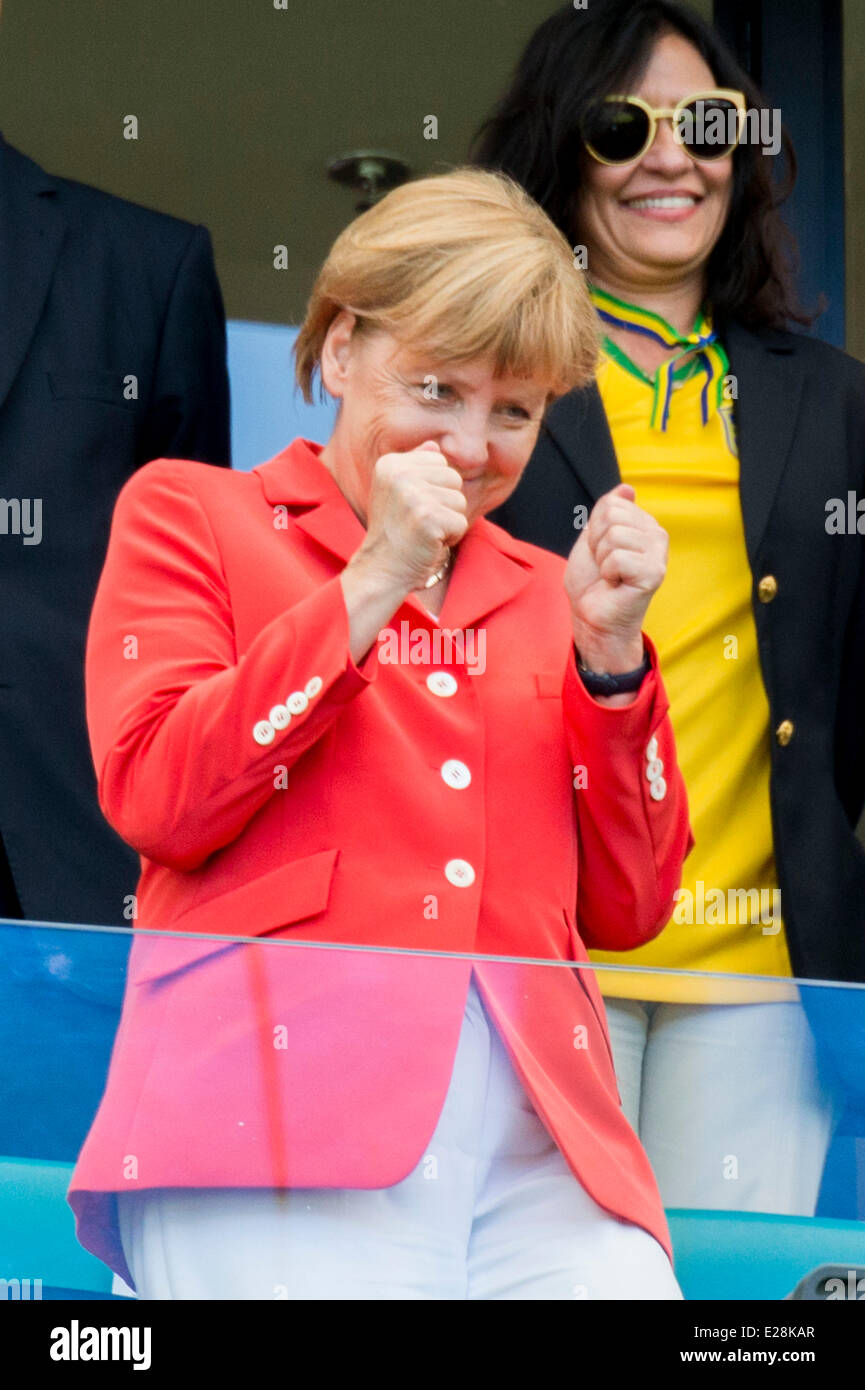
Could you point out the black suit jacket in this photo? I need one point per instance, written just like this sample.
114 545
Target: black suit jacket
112 352
800 419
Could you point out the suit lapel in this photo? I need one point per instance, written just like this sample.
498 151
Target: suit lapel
577 423
296 479
487 571
487 574
32 231
769 380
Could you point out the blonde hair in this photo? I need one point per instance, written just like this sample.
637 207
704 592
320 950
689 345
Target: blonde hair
467 265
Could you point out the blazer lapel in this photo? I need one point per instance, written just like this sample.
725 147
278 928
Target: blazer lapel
769 381
296 479
487 571
31 234
577 423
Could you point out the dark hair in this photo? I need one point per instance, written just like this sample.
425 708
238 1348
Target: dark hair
577 57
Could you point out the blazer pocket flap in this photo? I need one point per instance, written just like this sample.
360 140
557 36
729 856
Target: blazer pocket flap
288 894
89 383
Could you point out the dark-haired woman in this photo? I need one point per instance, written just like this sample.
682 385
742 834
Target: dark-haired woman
635 129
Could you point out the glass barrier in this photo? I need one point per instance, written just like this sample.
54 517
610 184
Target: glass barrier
242 1117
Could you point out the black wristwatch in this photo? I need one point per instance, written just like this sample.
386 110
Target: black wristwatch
601 683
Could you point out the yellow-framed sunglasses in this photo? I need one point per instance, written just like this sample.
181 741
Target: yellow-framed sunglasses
708 125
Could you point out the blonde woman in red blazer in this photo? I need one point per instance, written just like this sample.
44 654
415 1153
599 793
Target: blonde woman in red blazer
329 702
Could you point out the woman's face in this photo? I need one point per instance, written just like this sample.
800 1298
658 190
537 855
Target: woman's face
395 397
632 244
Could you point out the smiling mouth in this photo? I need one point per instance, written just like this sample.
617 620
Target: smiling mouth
671 202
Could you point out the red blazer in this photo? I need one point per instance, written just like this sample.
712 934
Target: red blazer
274 789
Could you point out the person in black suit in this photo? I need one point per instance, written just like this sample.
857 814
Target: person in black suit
743 438
112 353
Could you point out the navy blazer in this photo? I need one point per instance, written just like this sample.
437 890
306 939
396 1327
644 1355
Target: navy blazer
800 417
800 422
112 352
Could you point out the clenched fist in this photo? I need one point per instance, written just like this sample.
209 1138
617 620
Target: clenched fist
613 570
416 508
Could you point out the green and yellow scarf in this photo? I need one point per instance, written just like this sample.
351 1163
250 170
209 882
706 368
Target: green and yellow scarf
702 341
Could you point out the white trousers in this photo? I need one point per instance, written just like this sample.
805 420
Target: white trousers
491 1211
727 1101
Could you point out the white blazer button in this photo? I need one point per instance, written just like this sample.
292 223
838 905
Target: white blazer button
441 683
456 774
658 789
652 749
279 717
264 732
297 702
460 873
654 770
313 686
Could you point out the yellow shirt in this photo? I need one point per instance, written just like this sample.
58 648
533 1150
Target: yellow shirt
728 912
